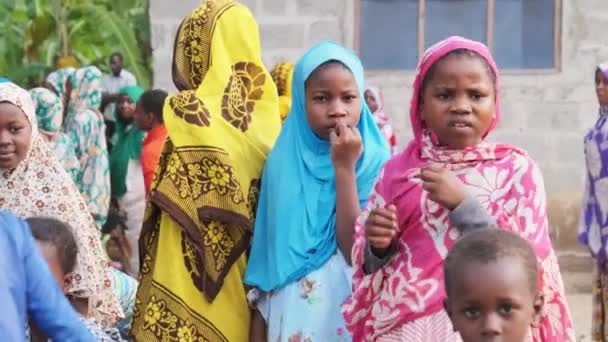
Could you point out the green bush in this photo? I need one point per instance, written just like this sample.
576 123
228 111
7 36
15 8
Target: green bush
40 33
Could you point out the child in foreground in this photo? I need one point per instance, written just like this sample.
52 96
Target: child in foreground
59 248
449 180
502 304
315 182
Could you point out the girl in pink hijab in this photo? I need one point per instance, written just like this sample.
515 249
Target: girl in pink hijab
448 181
375 101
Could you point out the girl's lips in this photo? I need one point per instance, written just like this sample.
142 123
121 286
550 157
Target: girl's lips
459 124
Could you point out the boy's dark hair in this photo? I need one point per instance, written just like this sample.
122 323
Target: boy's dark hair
458 52
489 245
59 235
152 101
117 55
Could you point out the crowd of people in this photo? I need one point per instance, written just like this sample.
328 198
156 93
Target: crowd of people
275 206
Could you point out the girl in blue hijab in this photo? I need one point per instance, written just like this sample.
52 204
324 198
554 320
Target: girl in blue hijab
315 182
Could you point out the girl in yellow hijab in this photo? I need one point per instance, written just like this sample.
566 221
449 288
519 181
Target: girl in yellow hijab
198 224
282 75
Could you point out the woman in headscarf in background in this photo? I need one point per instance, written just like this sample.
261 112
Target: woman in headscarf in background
84 124
595 207
34 184
49 112
221 126
282 75
375 101
126 171
57 82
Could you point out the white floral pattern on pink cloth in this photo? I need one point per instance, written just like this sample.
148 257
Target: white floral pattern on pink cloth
507 183
39 186
501 177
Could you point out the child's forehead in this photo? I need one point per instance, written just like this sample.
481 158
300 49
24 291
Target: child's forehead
470 271
461 64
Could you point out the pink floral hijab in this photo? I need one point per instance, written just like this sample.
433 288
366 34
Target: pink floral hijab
381 119
501 177
40 187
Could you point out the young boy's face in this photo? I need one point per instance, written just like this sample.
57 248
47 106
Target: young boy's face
141 118
49 252
492 301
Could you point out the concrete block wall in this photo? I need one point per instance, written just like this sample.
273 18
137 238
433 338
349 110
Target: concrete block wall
547 114
287 28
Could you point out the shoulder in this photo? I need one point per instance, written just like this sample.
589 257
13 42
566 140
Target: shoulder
129 77
520 159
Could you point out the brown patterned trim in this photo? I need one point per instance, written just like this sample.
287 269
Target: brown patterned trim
245 87
209 287
196 29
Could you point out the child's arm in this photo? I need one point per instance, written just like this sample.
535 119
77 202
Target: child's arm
443 187
380 233
470 215
257 332
347 210
346 148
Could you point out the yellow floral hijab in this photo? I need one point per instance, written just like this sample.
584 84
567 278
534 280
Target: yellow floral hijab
282 75
221 126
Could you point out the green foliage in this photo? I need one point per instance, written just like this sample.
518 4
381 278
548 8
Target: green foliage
40 32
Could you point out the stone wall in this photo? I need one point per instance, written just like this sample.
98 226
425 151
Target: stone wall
547 114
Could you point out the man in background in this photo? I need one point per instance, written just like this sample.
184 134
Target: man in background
111 84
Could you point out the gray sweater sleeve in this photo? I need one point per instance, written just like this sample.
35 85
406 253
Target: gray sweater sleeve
467 216
373 263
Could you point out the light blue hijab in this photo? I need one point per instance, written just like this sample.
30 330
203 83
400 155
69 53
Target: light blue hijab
295 227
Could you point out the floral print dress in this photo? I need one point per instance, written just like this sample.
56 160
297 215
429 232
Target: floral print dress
63 149
85 126
309 310
49 112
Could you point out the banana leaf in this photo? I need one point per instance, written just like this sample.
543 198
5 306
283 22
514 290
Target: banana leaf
125 40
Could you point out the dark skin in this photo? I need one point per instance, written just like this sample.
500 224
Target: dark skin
116 64
371 101
458 106
15 135
333 110
51 255
126 108
601 88
145 121
500 306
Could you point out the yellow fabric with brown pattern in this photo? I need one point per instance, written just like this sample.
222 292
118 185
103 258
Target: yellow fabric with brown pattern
282 75
221 127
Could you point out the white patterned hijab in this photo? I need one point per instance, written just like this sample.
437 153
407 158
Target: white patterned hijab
40 187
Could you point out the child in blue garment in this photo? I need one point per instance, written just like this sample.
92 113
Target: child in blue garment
315 181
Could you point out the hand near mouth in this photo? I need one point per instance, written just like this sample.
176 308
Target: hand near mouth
346 146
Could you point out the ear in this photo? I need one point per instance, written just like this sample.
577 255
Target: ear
539 303
151 117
